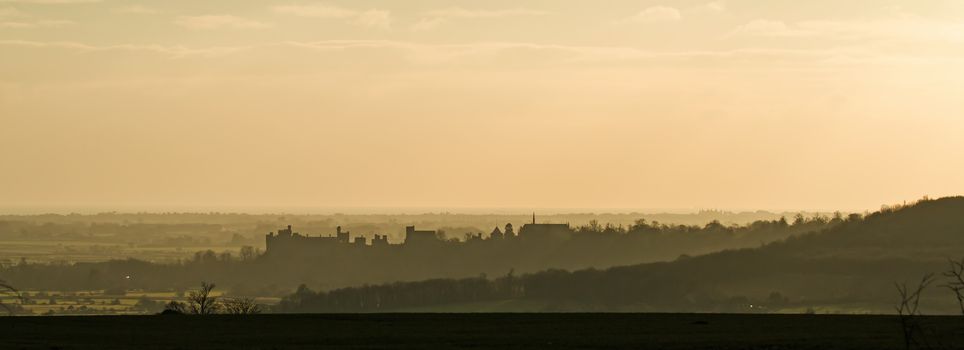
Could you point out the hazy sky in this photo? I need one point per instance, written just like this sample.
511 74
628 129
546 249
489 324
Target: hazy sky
735 104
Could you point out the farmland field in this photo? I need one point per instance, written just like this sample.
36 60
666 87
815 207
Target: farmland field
99 302
477 331
94 251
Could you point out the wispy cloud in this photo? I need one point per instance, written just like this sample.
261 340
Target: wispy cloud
9 12
427 24
903 28
136 9
12 18
655 14
206 22
771 28
43 23
315 11
373 18
458 12
418 52
716 6
171 51
570 54
542 55
434 18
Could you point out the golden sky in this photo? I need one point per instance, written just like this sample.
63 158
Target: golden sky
732 104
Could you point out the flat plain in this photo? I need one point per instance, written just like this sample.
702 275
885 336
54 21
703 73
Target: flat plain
474 331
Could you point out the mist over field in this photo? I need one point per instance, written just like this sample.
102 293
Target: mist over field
744 262
162 255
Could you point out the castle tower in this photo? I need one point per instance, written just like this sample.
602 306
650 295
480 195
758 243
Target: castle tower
342 236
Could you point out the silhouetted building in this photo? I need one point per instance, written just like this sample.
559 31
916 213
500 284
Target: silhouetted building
361 241
413 236
343 237
496 234
286 240
380 240
545 231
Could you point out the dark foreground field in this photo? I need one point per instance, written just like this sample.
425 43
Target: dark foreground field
476 331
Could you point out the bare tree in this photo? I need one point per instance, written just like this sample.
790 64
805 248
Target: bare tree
909 311
7 290
174 307
955 275
202 302
240 306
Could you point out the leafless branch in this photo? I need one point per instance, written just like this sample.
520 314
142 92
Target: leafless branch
202 302
7 290
909 309
241 306
955 276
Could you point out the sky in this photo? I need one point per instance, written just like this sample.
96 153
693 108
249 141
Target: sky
730 104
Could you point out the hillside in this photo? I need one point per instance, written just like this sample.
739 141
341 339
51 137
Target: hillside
928 230
848 268
308 259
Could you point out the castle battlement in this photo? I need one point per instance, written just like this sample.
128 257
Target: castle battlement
286 241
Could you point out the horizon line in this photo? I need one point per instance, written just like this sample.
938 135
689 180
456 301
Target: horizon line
26 210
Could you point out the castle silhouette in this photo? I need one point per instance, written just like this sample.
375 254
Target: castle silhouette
286 241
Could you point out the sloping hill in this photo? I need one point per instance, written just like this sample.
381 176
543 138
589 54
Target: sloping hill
927 230
849 268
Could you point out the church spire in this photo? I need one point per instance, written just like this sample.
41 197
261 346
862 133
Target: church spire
533 218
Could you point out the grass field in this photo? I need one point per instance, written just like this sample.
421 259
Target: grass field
475 331
96 251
